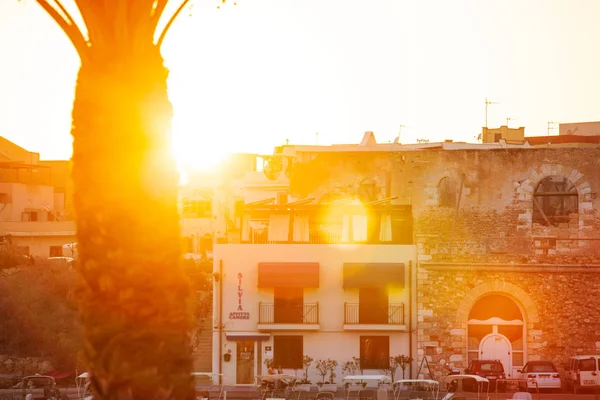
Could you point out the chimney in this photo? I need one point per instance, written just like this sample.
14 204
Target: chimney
368 139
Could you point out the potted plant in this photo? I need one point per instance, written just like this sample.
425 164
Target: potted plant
327 368
394 364
352 368
270 364
403 362
305 383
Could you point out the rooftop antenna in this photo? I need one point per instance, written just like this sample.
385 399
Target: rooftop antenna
397 140
509 119
487 103
317 135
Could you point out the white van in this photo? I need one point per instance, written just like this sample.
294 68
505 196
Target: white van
583 372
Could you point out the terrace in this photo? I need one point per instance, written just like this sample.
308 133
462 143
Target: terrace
340 222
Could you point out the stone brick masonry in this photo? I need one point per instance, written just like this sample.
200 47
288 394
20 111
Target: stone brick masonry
561 314
487 241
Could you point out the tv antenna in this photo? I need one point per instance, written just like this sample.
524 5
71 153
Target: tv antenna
487 103
397 140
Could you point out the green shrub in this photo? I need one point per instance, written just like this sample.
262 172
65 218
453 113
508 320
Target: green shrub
38 314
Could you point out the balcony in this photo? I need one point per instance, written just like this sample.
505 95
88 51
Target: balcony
304 317
320 224
38 228
367 318
29 174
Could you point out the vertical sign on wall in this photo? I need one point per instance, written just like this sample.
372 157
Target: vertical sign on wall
239 313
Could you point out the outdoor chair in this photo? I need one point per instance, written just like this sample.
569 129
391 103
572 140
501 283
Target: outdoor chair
202 395
353 390
367 394
325 395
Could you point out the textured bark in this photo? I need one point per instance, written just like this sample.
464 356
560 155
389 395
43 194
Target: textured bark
133 289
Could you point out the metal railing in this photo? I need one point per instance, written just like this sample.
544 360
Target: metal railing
261 236
355 314
307 313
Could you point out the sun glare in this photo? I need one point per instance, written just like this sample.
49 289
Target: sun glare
196 151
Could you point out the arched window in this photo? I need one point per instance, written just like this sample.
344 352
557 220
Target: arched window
555 200
447 192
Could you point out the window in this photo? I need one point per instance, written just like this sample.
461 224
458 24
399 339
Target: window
288 305
547 367
588 364
29 216
288 352
375 352
447 192
497 137
373 305
206 243
555 200
55 251
196 208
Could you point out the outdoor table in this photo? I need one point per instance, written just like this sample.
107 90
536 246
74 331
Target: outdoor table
275 379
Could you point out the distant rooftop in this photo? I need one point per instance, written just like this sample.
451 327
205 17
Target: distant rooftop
369 144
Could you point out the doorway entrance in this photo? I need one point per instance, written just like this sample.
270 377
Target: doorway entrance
496 331
496 347
244 371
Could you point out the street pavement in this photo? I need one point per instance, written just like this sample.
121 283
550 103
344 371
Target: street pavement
238 393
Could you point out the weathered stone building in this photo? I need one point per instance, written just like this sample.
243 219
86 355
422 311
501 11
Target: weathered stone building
507 238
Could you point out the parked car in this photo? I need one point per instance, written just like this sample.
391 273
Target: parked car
492 370
583 372
545 374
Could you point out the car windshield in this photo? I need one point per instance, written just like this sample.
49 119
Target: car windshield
489 367
541 368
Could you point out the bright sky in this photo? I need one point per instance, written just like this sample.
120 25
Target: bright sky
246 78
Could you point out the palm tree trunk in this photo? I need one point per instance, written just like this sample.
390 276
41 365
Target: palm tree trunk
133 289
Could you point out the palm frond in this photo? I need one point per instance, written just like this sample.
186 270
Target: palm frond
68 26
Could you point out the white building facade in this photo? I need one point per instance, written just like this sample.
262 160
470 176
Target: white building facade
295 287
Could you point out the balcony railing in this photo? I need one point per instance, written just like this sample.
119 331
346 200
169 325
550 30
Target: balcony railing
320 224
392 314
261 236
307 313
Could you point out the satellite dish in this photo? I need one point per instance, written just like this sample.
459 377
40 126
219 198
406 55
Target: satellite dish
273 167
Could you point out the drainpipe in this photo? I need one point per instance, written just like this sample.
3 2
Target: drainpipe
220 322
410 318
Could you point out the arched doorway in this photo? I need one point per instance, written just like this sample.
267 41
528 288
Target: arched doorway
496 331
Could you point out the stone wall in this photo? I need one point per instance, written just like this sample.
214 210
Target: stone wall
561 314
495 206
23 366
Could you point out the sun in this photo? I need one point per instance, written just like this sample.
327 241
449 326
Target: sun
195 150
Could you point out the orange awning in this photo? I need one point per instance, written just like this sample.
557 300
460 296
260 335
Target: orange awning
288 274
